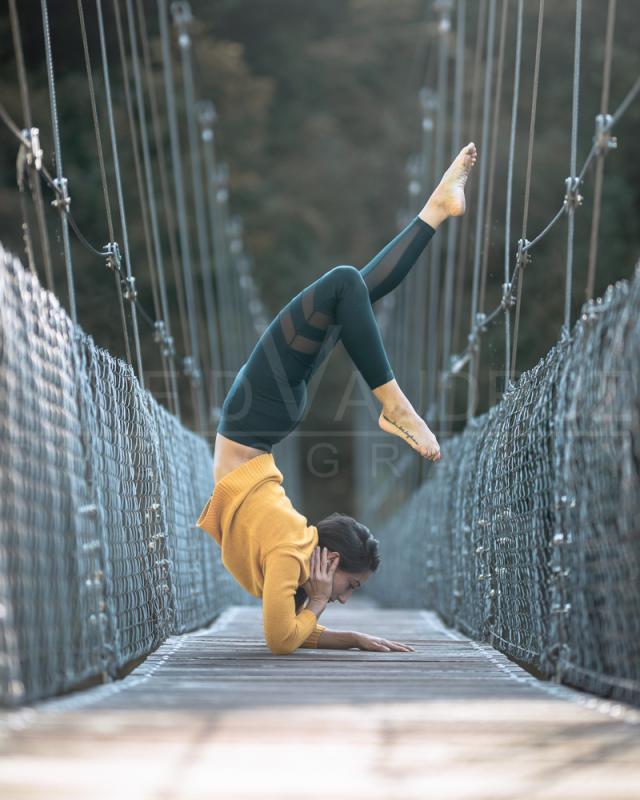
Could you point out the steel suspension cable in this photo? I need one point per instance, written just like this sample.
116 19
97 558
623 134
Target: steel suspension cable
206 118
523 256
163 323
456 136
63 200
130 293
34 181
599 178
135 150
142 195
162 172
573 189
493 133
435 256
473 365
103 174
182 19
192 363
506 287
471 127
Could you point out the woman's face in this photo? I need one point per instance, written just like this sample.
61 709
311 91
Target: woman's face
345 583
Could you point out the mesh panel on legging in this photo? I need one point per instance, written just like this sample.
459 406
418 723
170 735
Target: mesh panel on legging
305 320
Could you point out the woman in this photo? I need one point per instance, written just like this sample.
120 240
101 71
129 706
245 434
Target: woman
266 544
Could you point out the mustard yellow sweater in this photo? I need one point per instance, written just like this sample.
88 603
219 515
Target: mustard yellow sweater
266 545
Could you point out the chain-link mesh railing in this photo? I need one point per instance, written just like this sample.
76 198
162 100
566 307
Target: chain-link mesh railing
99 557
527 532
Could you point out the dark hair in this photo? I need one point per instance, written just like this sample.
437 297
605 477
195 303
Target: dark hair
354 542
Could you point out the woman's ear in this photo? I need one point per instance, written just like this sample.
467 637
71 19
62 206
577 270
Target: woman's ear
333 556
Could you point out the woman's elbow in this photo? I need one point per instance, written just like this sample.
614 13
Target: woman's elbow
278 645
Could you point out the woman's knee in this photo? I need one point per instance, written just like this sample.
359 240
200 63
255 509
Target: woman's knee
349 276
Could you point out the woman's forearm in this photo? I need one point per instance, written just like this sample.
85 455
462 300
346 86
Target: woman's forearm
336 640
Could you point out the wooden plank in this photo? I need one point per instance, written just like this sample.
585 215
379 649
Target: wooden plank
215 714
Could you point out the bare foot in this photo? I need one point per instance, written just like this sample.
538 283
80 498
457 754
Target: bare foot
449 194
407 424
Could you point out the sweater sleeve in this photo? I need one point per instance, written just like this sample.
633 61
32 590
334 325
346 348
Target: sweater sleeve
312 641
284 630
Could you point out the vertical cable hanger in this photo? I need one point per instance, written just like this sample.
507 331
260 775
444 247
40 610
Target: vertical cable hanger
30 158
191 363
443 7
206 118
604 144
130 292
471 124
493 134
572 198
507 296
475 291
162 173
143 195
182 19
113 250
456 137
62 201
162 325
523 256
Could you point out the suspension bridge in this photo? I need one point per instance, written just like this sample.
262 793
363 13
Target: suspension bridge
131 663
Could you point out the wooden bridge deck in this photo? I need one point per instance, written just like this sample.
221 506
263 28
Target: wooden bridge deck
214 714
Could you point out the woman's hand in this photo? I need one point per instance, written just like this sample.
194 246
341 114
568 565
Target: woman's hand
365 642
320 583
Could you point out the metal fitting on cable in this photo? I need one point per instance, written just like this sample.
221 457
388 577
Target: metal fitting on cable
31 141
572 198
159 331
191 371
523 256
508 299
429 104
113 256
458 362
182 18
62 201
168 347
222 183
129 291
603 139
160 337
207 117
414 170
443 7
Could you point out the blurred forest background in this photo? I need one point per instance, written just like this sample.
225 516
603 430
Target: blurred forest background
318 112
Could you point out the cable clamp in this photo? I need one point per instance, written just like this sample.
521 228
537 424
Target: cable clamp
603 139
523 256
62 201
191 370
479 327
572 198
444 7
207 117
182 18
111 251
159 331
508 299
129 291
168 347
31 141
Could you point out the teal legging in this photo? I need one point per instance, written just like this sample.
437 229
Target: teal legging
268 396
